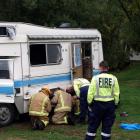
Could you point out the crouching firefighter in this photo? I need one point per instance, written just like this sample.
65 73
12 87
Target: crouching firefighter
39 109
103 96
75 103
63 103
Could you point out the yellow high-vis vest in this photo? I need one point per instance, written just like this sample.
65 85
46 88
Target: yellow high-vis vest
78 83
104 87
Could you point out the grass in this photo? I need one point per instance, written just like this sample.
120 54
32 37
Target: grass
129 80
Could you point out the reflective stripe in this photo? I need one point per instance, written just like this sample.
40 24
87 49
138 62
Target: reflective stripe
62 101
61 122
62 108
97 90
91 134
38 113
105 134
99 96
45 122
77 113
65 119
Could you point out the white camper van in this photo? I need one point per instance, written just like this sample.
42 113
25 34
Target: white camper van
32 56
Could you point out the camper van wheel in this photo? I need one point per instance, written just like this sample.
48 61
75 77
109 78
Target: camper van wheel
6 114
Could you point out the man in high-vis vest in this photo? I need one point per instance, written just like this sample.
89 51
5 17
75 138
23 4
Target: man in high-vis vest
63 103
39 109
81 86
103 96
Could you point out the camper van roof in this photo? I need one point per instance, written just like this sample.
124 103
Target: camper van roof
35 32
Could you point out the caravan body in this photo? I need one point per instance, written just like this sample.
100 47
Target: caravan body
32 56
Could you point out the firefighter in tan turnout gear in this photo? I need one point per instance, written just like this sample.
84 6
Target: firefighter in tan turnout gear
63 102
39 109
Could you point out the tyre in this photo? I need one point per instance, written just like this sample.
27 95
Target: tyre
6 114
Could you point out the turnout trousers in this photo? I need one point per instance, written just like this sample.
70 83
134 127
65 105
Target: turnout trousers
83 103
60 117
101 112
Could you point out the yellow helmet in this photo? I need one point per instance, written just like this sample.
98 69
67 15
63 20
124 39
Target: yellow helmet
46 90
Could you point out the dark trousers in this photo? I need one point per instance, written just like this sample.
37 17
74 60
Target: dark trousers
101 112
83 103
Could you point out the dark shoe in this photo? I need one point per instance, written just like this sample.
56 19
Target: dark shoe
41 125
70 121
34 125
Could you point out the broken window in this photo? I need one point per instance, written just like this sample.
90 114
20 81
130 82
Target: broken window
38 54
45 54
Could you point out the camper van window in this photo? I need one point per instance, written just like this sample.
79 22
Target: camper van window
4 69
3 31
53 53
45 54
38 54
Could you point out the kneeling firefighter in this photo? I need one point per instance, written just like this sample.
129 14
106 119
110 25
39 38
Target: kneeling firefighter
63 103
75 103
39 109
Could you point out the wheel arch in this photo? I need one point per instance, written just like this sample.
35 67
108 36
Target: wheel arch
8 108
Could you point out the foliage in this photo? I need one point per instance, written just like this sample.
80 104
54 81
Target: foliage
117 20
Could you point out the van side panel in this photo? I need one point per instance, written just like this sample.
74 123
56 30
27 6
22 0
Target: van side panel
10 49
18 78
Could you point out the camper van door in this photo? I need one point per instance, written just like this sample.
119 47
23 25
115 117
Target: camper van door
77 69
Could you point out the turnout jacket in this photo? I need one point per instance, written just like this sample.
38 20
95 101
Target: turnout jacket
62 100
40 105
104 87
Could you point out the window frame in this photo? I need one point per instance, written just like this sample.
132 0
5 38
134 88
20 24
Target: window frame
47 64
60 53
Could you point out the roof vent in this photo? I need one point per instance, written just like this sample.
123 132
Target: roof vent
65 25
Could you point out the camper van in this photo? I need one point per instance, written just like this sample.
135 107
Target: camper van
32 56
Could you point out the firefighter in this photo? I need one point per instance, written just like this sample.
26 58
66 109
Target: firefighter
81 86
39 109
103 96
63 102
75 111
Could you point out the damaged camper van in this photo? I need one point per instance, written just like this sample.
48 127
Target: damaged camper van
32 56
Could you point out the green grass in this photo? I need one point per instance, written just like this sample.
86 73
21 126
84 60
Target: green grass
129 80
